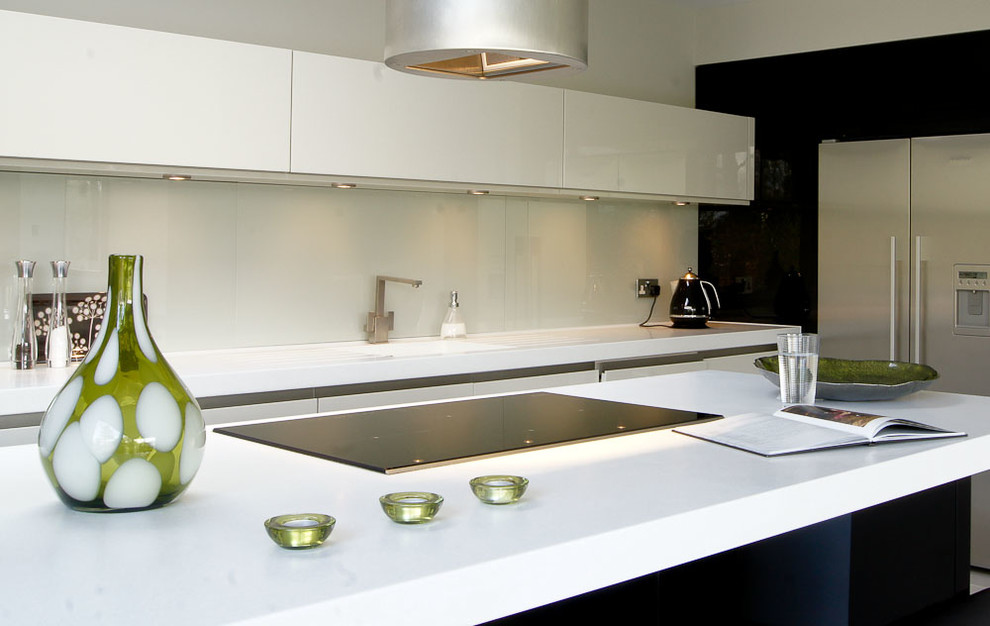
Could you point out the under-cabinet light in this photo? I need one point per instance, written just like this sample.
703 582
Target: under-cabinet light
588 198
343 185
478 192
176 177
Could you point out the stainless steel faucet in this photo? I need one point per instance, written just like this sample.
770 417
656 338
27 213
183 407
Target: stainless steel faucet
379 322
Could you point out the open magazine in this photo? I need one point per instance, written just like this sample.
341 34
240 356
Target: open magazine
803 427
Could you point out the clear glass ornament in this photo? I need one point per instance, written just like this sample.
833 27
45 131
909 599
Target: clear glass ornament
24 342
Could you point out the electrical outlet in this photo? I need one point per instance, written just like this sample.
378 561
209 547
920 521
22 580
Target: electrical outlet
647 287
744 284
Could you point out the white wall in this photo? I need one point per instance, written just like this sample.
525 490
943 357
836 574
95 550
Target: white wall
759 28
638 48
350 28
236 264
644 49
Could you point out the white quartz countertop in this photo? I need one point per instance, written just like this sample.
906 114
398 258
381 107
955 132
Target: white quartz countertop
249 370
596 513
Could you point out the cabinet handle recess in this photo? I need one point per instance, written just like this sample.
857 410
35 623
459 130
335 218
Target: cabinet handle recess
917 300
893 298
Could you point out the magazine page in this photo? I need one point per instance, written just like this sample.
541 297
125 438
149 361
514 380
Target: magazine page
769 435
855 422
898 430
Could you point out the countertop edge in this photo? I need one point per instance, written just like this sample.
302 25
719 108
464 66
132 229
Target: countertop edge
208 373
537 583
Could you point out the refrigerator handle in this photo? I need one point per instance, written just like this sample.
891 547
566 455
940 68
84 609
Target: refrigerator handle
893 298
917 299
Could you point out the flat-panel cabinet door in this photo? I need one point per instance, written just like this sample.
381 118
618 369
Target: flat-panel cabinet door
83 91
950 225
359 118
618 144
529 383
864 204
652 370
258 412
737 362
394 396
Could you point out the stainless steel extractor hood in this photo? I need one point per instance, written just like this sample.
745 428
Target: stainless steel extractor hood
486 39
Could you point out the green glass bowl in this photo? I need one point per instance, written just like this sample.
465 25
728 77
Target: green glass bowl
300 531
411 507
499 488
849 380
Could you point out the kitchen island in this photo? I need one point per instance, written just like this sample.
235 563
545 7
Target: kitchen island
597 513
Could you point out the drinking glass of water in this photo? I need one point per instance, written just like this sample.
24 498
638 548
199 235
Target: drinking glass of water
797 362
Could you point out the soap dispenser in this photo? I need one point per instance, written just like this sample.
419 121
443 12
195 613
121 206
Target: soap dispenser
453 324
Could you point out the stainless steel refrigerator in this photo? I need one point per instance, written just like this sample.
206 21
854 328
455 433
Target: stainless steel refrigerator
904 265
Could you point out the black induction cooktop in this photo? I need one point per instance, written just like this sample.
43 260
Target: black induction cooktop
414 437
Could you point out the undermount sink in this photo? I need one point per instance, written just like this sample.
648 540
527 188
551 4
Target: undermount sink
422 348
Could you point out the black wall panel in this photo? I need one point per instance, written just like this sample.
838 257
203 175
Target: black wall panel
764 257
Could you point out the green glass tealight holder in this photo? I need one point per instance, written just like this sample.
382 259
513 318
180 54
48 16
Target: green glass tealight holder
411 507
499 488
300 531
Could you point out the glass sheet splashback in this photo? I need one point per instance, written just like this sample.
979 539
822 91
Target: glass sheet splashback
243 264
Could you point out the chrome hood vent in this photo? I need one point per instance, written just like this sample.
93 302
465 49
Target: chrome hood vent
486 39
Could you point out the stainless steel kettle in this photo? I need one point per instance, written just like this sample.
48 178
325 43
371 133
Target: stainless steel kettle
690 306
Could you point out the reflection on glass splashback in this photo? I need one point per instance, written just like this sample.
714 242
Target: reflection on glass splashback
754 256
243 264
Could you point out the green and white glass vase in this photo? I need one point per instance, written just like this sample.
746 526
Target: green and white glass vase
123 433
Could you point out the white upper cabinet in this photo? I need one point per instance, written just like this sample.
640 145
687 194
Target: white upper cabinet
359 118
617 144
84 91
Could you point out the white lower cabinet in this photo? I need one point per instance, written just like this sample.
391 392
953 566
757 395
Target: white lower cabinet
651 370
529 383
18 436
83 91
396 396
261 411
449 392
737 362
728 363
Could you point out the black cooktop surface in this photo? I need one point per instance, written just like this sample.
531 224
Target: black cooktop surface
407 438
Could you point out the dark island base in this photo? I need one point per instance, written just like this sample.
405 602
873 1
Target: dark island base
895 561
